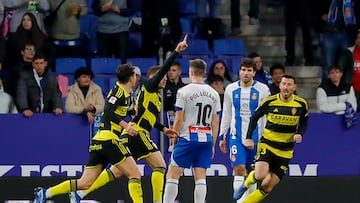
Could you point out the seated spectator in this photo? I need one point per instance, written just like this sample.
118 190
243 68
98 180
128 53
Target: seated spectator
277 70
13 72
219 67
261 74
7 104
85 97
65 31
217 82
333 95
38 90
173 83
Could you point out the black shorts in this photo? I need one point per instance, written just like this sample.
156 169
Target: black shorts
278 165
104 152
141 146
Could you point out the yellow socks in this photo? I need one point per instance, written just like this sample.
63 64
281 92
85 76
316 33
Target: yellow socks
157 182
135 190
62 188
250 180
105 177
256 196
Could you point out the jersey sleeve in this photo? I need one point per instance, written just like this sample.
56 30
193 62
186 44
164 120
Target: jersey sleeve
260 111
116 107
226 112
180 100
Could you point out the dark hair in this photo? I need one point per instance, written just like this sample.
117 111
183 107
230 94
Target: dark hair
35 34
152 70
176 63
289 77
124 72
83 71
248 63
39 55
277 66
253 55
28 43
198 66
227 74
214 78
335 67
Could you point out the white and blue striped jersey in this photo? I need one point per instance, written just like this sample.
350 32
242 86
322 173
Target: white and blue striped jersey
239 105
199 102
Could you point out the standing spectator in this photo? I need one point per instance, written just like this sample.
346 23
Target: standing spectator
213 5
19 7
334 25
333 96
28 30
23 64
84 96
277 70
219 67
112 29
197 120
350 60
298 12
65 31
38 90
173 83
261 74
241 99
7 104
236 18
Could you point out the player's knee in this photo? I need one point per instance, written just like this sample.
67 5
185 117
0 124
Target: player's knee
260 176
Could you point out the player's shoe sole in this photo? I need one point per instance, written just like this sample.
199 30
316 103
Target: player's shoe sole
239 192
39 195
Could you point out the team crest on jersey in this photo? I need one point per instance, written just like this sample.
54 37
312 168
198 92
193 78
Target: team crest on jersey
233 158
236 96
276 110
293 111
112 100
254 96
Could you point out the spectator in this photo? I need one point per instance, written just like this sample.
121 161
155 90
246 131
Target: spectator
173 83
334 29
84 96
219 67
13 72
277 70
236 18
2 51
38 90
27 30
217 82
112 29
333 96
298 12
350 60
7 104
19 7
65 31
261 75
213 5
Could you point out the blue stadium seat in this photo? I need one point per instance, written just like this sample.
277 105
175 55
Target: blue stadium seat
112 82
187 26
197 48
102 83
228 48
187 8
184 62
235 65
143 63
88 28
68 65
105 66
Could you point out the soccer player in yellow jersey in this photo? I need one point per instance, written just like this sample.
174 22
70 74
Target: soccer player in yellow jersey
286 123
107 146
148 106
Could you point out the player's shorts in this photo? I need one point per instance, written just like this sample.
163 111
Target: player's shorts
188 154
141 146
278 165
239 154
104 152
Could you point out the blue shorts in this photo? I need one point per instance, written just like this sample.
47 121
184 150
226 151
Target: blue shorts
239 154
188 154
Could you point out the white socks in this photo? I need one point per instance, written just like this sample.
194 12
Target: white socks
200 191
171 190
